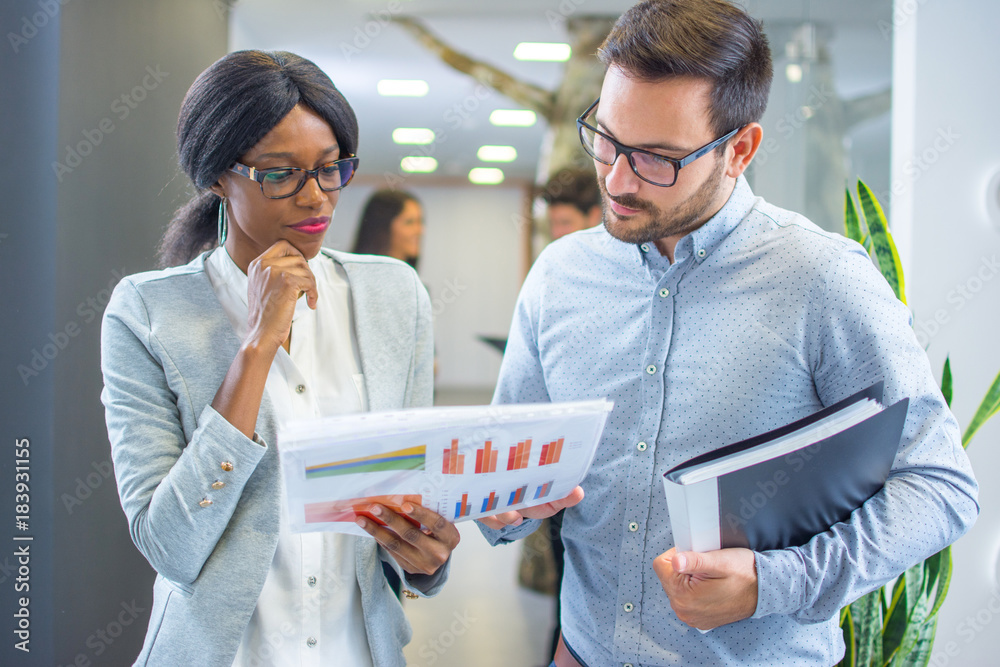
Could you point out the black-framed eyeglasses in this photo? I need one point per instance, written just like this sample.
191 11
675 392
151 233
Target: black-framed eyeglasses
654 169
281 182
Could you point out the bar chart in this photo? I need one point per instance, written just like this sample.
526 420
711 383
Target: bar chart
486 458
551 451
517 496
490 502
517 459
463 508
454 463
543 490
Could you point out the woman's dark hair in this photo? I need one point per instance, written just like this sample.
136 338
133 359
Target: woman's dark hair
227 110
708 39
374 230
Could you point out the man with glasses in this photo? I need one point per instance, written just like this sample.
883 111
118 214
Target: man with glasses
709 316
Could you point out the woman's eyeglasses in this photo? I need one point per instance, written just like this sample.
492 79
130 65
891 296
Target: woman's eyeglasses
282 182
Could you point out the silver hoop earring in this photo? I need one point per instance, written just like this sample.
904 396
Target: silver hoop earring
223 222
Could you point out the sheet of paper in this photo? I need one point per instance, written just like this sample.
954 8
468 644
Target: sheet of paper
462 462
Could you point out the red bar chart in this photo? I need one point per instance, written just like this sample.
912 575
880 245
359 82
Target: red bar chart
517 459
517 496
551 451
463 508
454 463
490 502
486 458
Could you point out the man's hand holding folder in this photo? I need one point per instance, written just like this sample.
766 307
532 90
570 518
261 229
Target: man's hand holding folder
709 589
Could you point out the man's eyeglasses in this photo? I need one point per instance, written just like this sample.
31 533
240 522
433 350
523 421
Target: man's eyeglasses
282 182
650 167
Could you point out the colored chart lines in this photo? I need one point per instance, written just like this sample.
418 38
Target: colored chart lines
490 502
543 490
518 457
486 458
517 496
411 458
454 463
463 508
550 452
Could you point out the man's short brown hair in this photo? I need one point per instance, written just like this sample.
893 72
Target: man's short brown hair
706 39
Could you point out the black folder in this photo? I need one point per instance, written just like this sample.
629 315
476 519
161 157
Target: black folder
786 500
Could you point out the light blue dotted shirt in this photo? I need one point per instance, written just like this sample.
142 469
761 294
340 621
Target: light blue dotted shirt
762 319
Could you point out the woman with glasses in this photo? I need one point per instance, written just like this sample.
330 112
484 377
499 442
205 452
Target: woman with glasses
254 324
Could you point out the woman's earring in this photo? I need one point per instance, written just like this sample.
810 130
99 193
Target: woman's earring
223 222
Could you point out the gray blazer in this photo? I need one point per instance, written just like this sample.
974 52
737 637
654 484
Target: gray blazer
166 345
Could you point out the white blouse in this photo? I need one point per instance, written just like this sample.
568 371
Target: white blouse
309 611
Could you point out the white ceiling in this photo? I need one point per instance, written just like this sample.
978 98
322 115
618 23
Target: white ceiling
332 34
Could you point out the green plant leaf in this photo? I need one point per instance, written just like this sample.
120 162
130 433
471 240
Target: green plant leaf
920 656
852 225
866 614
894 627
918 612
943 578
882 243
988 408
847 627
946 380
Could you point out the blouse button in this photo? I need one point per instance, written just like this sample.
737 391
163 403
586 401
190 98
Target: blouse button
300 389
311 642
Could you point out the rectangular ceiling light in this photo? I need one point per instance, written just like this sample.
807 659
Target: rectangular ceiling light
403 87
413 135
543 51
497 153
513 118
415 164
486 176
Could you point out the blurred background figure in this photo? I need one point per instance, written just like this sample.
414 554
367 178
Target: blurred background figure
392 224
574 201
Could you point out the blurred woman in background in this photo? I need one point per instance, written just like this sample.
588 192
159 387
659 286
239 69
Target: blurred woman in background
392 224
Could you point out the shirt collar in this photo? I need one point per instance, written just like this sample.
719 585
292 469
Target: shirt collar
700 243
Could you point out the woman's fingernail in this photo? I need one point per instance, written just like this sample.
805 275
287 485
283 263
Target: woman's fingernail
360 522
408 508
376 510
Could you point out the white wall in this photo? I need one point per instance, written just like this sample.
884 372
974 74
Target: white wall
471 263
946 145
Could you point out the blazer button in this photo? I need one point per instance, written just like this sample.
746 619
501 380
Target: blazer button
218 484
205 502
227 466
410 595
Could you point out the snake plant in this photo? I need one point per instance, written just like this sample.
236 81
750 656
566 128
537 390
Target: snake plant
895 625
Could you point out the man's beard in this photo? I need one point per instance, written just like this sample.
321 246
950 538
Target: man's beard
688 216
